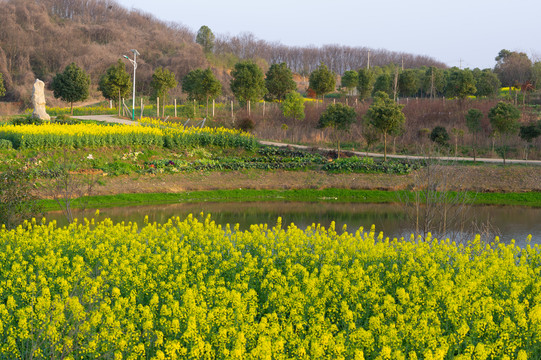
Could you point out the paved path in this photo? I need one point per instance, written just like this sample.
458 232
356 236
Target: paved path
410 157
107 118
113 118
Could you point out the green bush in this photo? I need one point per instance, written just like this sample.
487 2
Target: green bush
5 144
439 135
26 120
66 120
119 168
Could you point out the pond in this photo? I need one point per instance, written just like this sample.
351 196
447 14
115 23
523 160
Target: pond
508 222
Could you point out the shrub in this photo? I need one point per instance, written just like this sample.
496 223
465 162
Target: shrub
439 135
5 144
246 124
26 120
66 120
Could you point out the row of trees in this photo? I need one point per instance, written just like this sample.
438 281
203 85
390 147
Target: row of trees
385 118
72 85
422 82
248 83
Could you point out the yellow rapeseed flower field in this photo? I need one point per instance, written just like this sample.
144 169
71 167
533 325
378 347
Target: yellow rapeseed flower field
51 135
191 289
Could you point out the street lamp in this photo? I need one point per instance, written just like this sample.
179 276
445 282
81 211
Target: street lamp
134 63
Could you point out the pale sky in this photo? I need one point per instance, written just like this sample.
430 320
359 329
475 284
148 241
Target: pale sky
459 32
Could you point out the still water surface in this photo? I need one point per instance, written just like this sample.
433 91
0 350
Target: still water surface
505 221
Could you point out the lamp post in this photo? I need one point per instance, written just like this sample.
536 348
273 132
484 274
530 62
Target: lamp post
134 63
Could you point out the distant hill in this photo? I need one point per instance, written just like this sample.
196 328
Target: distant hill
39 38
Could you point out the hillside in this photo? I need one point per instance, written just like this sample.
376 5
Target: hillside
38 38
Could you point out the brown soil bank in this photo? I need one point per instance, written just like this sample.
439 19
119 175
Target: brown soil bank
472 178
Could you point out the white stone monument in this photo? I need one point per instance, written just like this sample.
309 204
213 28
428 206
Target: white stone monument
38 101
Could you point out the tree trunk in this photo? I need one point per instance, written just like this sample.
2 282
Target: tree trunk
163 106
385 146
474 147
119 102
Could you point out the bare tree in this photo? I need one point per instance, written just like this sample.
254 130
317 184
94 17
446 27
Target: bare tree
66 186
436 203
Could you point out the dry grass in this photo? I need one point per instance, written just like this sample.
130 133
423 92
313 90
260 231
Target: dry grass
422 115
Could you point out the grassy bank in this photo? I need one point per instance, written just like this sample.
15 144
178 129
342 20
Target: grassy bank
532 199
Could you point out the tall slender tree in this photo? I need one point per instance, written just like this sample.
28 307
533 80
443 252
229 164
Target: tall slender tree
205 38
473 122
365 82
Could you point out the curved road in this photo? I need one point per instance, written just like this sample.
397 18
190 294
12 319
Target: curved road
112 118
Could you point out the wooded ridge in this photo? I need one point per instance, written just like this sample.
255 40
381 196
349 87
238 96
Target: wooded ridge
39 38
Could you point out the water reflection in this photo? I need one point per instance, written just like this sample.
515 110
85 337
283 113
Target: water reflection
507 222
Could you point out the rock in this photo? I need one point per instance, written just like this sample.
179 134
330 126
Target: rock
38 101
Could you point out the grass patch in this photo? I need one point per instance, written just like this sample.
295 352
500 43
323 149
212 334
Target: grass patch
532 199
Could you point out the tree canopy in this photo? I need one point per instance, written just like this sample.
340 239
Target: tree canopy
504 118
460 84
386 116
205 37
72 85
279 82
486 82
383 83
163 80
201 85
407 83
350 79
513 67
248 83
473 122
115 83
365 82
322 80
293 106
504 121
338 117
433 82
